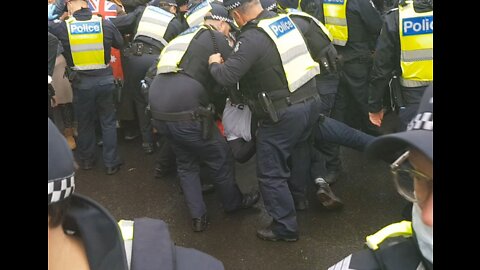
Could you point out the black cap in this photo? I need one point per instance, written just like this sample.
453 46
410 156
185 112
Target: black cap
181 2
269 4
231 4
220 13
419 133
157 3
61 168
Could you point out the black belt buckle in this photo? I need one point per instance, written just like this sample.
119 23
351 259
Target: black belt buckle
138 49
288 101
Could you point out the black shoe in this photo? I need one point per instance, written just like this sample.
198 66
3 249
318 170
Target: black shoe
86 165
325 195
147 148
208 188
267 234
161 172
301 205
250 199
130 135
200 224
113 170
332 176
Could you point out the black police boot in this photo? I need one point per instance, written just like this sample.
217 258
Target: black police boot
250 199
301 205
208 188
268 235
200 224
162 172
148 148
326 196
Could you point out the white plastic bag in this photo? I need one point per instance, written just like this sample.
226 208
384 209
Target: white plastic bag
236 121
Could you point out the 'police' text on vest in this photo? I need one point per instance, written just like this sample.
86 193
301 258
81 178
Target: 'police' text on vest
417 26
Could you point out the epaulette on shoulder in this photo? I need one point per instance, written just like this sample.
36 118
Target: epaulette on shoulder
392 10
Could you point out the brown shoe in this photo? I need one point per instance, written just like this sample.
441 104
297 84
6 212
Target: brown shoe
326 196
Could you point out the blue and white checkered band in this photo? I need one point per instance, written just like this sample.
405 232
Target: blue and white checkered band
59 189
220 18
234 5
423 121
272 7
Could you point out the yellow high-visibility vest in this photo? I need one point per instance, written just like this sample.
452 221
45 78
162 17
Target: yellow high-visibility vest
297 63
335 12
86 43
196 15
292 11
402 228
416 44
154 23
173 53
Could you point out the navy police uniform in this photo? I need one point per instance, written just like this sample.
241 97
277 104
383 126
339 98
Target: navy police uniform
93 95
138 57
364 24
387 62
178 103
52 55
257 66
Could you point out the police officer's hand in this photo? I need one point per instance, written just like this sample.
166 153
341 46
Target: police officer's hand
215 58
376 118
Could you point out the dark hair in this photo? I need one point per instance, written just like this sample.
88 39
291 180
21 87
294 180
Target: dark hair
57 212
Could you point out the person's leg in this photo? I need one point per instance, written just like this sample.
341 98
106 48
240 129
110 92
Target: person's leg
84 106
106 114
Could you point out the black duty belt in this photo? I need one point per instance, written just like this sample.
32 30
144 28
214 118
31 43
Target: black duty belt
299 96
179 116
139 48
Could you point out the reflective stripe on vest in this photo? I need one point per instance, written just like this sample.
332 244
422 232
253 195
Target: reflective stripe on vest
126 228
86 43
416 43
154 23
173 53
402 228
335 12
196 15
297 63
292 11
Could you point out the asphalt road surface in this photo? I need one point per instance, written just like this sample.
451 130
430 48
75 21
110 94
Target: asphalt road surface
326 237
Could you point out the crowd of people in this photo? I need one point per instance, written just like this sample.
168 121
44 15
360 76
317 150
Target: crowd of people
206 84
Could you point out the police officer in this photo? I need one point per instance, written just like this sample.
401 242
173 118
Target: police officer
404 245
355 26
180 102
87 40
406 52
152 27
280 89
197 11
319 42
82 234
